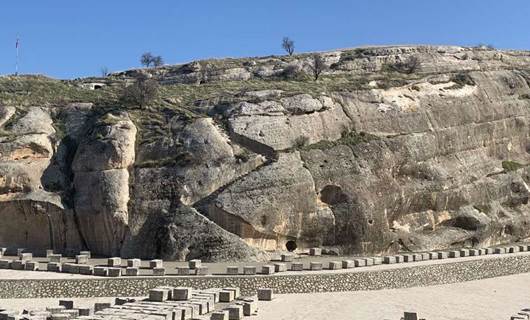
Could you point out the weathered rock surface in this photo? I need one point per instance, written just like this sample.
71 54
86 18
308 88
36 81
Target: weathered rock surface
375 157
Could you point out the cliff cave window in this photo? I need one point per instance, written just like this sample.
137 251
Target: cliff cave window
332 195
291 245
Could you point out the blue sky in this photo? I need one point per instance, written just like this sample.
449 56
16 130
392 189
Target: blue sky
70 38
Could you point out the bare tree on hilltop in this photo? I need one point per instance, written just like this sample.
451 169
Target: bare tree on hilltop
288 45
317 66
147 59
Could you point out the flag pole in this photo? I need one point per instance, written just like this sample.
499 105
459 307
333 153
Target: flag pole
16 65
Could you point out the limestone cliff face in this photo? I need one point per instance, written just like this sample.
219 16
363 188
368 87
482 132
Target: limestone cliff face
395 148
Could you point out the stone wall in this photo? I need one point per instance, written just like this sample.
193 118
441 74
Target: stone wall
424 275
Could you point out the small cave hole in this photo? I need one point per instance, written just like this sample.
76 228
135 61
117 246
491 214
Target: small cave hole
291 245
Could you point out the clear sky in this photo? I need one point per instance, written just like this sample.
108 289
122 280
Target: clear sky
75 38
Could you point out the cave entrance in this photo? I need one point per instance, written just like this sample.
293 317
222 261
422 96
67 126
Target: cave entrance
291 245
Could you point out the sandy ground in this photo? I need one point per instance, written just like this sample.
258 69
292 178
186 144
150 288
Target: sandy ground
489 299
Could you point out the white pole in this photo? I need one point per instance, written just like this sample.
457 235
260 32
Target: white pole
16 65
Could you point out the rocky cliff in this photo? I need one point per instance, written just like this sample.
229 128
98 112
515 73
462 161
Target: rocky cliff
391 149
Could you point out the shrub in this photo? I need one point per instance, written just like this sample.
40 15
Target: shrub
292 72
511 165
408 66
142 93
461 79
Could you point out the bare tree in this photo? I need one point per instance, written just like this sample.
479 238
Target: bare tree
317 66
104 72
146 59
157 61
288 45
140 94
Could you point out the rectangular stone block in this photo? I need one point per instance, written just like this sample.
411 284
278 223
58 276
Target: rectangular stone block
410 316
418 257
101 271
288 257
232 270
464 252
499 250
265 294
161 272
158 295
235 312
454 254
182 293
482 252
55 258
132 271
134 263
49 253
67 304
114 272
369 261
54 309
523 248
236 290
336 265
443 255
267 269
250 307
489 250
101 306
194 264
81 259
72 268
18 265
249 270
20 251
183 271
377 260
32 266
219 315
201 271
54 267
474 252
226 296
297 266
315 266
425 256
359 262
513 249
315 252
389 259
280 267
86 253
348 264
26 256
84 312
399 258
433 255
408 258
5 264
156 263
114 262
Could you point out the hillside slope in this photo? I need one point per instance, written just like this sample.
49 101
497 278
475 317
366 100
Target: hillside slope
392 149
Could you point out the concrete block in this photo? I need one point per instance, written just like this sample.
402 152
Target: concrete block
474 252
156 263
25 256
201 271
315 266
250 307
265 294
232 270
5 264
418 257
288 257
114 262
297 266
249 270
48 253
67 304
84 312
389 259
101 306
219 315
315 252
86 253
160 272
268 269
182 293
408 258
195 263
236 290
280 267
20 251
335 265
134 263
54 316
226 296
489 250
464 252
399 258
369 261
235 312
132 271
55 309
443 255
54 267
55 258
454 254
499 250
433 255
101 271
425 256
114 272
32 266
348 264
410 316
513 249
183 271
81 259
359 263
158 295
377 260
18 265
522 248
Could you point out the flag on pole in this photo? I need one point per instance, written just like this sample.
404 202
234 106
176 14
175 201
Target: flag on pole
17 44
